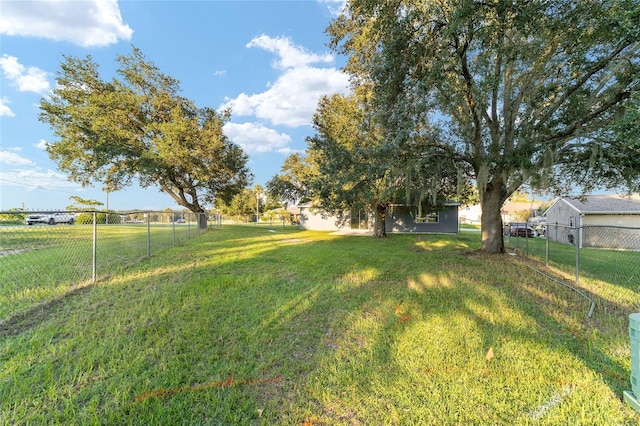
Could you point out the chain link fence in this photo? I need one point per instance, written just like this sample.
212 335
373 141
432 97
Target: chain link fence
43 255
580 253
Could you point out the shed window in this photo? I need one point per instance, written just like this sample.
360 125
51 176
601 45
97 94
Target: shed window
433 217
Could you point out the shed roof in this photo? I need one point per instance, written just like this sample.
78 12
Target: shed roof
607 204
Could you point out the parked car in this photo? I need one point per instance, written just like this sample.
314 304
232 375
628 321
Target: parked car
521 230
50 218
541 228
181 221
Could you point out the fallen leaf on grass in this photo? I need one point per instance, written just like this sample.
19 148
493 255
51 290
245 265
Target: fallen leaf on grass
489 356
405 318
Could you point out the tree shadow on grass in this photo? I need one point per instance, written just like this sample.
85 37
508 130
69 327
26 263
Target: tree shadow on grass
321 331
543 317
28 319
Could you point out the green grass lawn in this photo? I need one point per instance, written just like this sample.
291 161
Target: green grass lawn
617 267
246 325
39 263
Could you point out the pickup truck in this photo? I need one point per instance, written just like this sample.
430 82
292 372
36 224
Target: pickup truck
50 218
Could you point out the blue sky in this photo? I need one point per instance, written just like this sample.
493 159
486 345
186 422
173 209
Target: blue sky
266 60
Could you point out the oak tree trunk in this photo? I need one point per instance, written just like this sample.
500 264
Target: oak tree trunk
201 218
379 228
491 222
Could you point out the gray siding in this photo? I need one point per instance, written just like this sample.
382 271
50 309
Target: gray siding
596 227
401 219
558 221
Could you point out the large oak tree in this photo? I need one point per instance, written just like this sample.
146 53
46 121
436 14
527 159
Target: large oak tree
522 91
353 165
138 127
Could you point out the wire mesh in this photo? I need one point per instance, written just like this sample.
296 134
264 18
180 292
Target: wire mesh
45 254
607 253
612 254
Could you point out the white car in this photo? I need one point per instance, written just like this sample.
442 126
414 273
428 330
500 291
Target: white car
50 218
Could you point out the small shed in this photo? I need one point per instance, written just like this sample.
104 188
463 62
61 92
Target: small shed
605 221
402 218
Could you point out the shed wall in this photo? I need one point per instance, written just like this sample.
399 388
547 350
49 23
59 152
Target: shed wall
401 219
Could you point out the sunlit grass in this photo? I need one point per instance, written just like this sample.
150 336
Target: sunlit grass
245 325
40 263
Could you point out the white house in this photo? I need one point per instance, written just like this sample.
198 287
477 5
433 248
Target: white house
315 219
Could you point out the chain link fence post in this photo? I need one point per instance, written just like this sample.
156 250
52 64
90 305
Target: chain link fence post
546 249
148 234
95 247
173 225
576 241
44 253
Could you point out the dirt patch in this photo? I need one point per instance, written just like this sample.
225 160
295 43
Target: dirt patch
4 253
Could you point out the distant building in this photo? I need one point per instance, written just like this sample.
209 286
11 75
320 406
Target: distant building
315 219
470 214
597 221
399 219
510 212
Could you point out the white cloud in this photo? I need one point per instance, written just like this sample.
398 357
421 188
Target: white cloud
288 151
13 159
289 55
293 98
33 179
220 73
255 137
87 23
42 144
5 111
26 79
336 7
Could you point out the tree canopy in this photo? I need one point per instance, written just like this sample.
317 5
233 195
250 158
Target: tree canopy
345 152
245 204
517 91
83 203
289 187
137 126
358 167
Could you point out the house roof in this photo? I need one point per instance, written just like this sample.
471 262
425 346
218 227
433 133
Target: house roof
606 204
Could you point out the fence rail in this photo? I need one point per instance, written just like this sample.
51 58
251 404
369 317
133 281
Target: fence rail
44 254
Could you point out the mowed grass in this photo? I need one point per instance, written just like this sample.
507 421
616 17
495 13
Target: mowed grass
246 325
39 263
618 268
